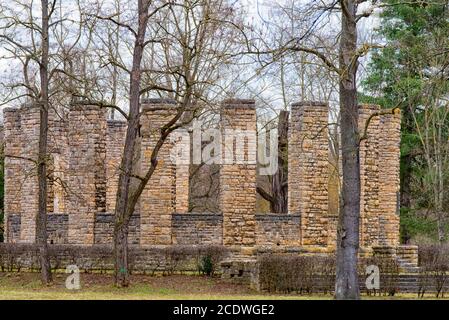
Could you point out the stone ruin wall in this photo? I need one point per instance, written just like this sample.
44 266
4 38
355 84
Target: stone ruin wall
308 171
85 153
238 178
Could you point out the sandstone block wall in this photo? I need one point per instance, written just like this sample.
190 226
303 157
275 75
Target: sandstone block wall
115 141
389 179
87 171
85 153
58 161
237 179
158 200
272 230
58 228
308 170
197 228
13 172
29 128
278 229
379 170
104 229
182 176
369 175
21 188
12 227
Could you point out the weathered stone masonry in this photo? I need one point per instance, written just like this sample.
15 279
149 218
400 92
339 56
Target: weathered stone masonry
238 178
389 179
308 170
157 202
369 175
87 171
115 141
379 170
85 154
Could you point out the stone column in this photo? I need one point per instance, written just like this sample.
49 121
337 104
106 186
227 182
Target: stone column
13 174
157 202
87 172
389 181
308 170
115 142
369 174
29 125
238 173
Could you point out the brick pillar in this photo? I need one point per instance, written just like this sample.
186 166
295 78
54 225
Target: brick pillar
157 202
13 173
369 175
389 164
86 181
308 170
238 178
115 142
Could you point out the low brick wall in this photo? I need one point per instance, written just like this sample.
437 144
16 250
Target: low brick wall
104 229
57 228
278 229
58 225
197 228
13 227
187 229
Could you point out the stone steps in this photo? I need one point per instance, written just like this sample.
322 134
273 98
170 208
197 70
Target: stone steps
407 266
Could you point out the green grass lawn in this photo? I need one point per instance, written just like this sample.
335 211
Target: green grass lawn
95 286
99 286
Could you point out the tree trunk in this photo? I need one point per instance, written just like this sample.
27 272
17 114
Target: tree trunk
41 218
440 198
124 204
121 255
347 284
279 182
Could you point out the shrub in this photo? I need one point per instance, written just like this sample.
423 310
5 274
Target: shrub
304 274
209 257
433 260
206 266
389 274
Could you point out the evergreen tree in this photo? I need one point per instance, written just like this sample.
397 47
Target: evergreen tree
411 71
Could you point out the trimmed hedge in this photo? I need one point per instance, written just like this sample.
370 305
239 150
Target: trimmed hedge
308 274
